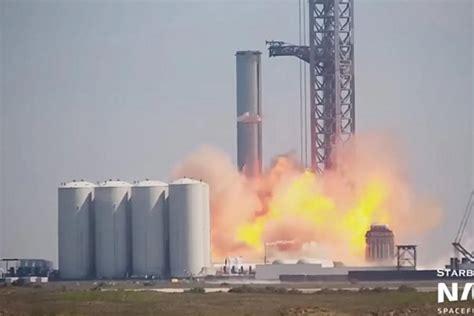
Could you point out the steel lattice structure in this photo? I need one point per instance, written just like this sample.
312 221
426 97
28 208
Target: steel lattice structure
330 55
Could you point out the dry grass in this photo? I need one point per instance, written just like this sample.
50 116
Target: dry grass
89 301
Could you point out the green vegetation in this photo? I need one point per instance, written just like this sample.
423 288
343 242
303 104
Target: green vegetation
196 290
263 290
406 288
91 299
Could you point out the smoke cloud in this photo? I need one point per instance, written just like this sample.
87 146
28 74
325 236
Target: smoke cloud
297 213
233 200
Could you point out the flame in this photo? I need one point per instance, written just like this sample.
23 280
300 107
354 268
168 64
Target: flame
369 209
304 199
327 214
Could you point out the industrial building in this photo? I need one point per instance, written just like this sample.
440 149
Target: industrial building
24 268
115 230
294 271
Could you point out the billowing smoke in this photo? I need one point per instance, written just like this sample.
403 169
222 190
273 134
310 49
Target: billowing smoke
233 199
297 213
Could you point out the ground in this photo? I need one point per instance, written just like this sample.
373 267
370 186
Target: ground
75 298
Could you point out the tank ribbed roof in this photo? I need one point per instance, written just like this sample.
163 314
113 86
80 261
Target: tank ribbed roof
186 181
149 183
113 183
76 184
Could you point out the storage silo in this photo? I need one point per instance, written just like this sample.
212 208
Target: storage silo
75 230
149 206
206 225
249 112
189 240
112 229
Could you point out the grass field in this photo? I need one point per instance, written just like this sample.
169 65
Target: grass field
61 300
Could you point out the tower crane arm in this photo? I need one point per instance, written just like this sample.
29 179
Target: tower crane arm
278 48
465 219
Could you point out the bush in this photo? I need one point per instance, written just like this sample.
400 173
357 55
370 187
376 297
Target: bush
263 290
364 290
148 283
326 291
243 289
294 291
276 290
196 290
379 289
342 291
406 288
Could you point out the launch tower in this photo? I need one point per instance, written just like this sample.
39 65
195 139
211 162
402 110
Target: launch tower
330 55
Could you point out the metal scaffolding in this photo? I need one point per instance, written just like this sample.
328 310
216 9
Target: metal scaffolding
330 55
406 257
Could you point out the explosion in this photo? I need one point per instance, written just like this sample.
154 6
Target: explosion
301 213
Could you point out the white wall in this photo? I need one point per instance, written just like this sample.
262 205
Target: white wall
273 271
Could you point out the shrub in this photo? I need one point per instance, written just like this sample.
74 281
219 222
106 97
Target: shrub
243 289
379 289
325 291
272 289
148 283
263 290
341 291
196 290
294 291
406 288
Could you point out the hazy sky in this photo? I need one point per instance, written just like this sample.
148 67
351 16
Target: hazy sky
102 89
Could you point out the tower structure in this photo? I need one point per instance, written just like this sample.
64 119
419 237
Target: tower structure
330 55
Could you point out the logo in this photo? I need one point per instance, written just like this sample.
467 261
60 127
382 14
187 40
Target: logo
452 295
455 292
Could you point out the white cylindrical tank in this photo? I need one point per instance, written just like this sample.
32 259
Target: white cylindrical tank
189 236
75 230
249 112
149 205
112 229
207 225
